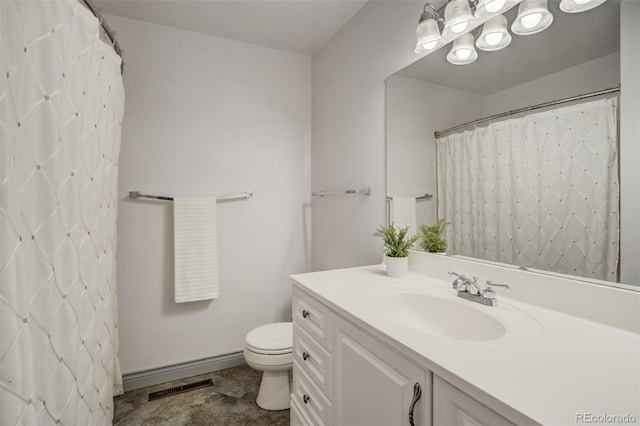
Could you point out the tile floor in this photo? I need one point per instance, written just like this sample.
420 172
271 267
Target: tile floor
229 402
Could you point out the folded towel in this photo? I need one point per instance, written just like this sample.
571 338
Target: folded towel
403 213
195 249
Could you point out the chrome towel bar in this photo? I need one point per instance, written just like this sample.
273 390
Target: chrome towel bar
365 191
419 197
134 195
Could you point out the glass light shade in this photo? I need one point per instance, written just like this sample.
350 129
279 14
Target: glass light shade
487 8
463 51
429 37
495 35
533 17
576 6
457 17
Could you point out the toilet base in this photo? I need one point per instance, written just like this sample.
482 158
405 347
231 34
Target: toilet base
274 393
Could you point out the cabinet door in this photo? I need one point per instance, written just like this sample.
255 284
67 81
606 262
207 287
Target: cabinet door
452 407
374 385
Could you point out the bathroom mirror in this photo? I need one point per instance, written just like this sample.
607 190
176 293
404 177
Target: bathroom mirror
578 54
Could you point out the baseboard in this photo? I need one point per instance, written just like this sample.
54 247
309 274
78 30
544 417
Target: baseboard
183 370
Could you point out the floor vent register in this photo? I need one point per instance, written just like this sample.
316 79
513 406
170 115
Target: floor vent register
180 389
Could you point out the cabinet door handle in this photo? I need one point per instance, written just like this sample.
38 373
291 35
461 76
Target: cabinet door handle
305 356
305 313
306 398
417 393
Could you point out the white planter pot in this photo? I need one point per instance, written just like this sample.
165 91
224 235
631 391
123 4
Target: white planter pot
397 266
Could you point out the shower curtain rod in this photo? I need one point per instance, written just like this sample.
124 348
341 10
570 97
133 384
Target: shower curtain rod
97 12
529 108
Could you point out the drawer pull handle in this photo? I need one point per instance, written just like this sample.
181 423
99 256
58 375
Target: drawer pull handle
305 313
417 393
306 398
305 356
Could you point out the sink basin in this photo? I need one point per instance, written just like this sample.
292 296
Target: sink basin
439 316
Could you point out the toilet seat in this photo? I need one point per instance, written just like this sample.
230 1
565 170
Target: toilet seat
268 352
271 339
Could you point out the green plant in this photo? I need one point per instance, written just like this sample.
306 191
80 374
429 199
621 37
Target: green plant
432 239
395 240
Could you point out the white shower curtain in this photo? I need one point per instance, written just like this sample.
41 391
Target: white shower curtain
61 107
539 191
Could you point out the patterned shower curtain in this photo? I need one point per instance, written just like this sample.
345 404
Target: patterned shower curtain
61 108
539 191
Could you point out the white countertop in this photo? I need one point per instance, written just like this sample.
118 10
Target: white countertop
546 368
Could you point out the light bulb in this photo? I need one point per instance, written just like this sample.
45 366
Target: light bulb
494 38
496 5
430 44
459 27
531 20
463 54
577 6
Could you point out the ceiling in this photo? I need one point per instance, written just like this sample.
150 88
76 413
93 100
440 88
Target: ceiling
299 26
571 39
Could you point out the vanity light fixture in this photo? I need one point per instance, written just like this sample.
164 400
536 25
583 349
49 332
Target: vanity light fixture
457 17
495 35
428 31
576 6
486 8
463 51
533 17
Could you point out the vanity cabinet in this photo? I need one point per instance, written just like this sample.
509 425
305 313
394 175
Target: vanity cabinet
452 407
343 376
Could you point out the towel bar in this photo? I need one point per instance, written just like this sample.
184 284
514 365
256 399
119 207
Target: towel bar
134 195
365 191
419 197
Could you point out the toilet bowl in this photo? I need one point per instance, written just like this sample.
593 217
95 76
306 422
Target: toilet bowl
269 348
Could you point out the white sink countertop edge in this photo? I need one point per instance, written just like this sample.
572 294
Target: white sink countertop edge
546 369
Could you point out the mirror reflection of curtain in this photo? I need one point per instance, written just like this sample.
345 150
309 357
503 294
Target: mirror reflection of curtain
539 191
61 108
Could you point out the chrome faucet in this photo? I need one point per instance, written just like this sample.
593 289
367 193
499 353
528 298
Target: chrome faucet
459 281
469 289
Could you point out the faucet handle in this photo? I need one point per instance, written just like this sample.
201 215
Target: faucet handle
489 293
492 284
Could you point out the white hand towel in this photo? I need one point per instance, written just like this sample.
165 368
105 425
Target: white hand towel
403 213
195 249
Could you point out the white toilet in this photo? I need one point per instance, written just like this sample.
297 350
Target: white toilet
269 348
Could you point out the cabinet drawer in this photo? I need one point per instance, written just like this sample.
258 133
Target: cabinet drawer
313 404
312 316
313 358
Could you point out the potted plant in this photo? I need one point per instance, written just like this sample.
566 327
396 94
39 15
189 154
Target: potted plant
396 248
432 237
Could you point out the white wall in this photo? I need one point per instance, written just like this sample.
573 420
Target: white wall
348 135
415 110
630 148
601 73
206 115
